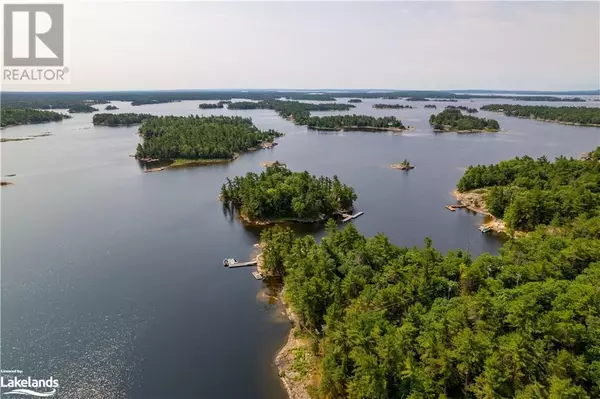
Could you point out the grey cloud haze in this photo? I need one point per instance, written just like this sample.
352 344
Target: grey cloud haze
402 45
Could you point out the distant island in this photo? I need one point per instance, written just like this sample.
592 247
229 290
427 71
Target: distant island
15 117
404 165
355 122
111 107
452 120
81 108
220 104
581 116
430 106
391 106
355 100
119 119
280 195
197 140
463 108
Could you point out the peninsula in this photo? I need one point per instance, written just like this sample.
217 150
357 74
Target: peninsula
26 116
125 119
579 116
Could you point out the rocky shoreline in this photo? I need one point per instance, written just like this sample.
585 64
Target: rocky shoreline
475 201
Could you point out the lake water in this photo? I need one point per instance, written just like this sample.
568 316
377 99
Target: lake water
112 280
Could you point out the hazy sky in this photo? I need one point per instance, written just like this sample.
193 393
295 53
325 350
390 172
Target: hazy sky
401 45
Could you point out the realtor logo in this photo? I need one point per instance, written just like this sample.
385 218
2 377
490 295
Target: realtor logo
34 35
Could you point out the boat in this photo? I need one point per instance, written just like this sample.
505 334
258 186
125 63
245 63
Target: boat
484 229
229 261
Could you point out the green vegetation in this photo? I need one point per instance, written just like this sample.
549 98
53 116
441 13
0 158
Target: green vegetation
355 100
391 106
358 122
404 165
391 322
111 107
430 106
525 192
220 104
278 194
454 120
13 116
463 108
119 119
586 116
194 137
298 111
81 108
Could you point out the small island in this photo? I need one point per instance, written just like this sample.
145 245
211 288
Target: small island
195 140
463 108
26 116
82 108
355 100
125 119
280 195
404 165
355 122
391 106
579 116
430 106
452 120
111 107
295 111
220 104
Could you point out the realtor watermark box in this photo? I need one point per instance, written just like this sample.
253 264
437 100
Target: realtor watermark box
35 45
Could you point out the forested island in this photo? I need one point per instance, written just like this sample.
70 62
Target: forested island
355 100
463 108
82 108
430 106
278 195
14 116
452 120
195 139
526 192
220 104
354 122
293 110
373 320
111 107
119 119
584 116
391 106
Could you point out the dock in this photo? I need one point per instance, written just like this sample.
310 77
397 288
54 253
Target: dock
455 207
241 264
347 217
257 275
484 229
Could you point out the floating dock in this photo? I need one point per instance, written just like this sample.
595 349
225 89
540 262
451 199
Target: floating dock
347 217
257 275
455 207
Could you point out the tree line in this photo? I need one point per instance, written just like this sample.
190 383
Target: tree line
463 108
119 119
575 115
396 322
451 119
82 108
527 192
280 194
195 137
16 116
220 104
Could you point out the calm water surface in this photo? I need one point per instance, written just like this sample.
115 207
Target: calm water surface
112 280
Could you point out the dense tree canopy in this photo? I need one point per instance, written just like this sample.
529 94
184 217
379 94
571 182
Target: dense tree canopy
220 104
414 323
119 119
280 194
298 111
451 119
82 108
463 108
338 122
391 106
15 116
111 107
194 137
355 100
430 106
577 115
526 192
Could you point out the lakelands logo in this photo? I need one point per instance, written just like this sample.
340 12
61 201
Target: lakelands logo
14 385
34 43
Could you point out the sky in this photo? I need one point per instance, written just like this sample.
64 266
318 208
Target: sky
118 45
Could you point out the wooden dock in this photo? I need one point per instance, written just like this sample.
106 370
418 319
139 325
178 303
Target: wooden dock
455 207
347 217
